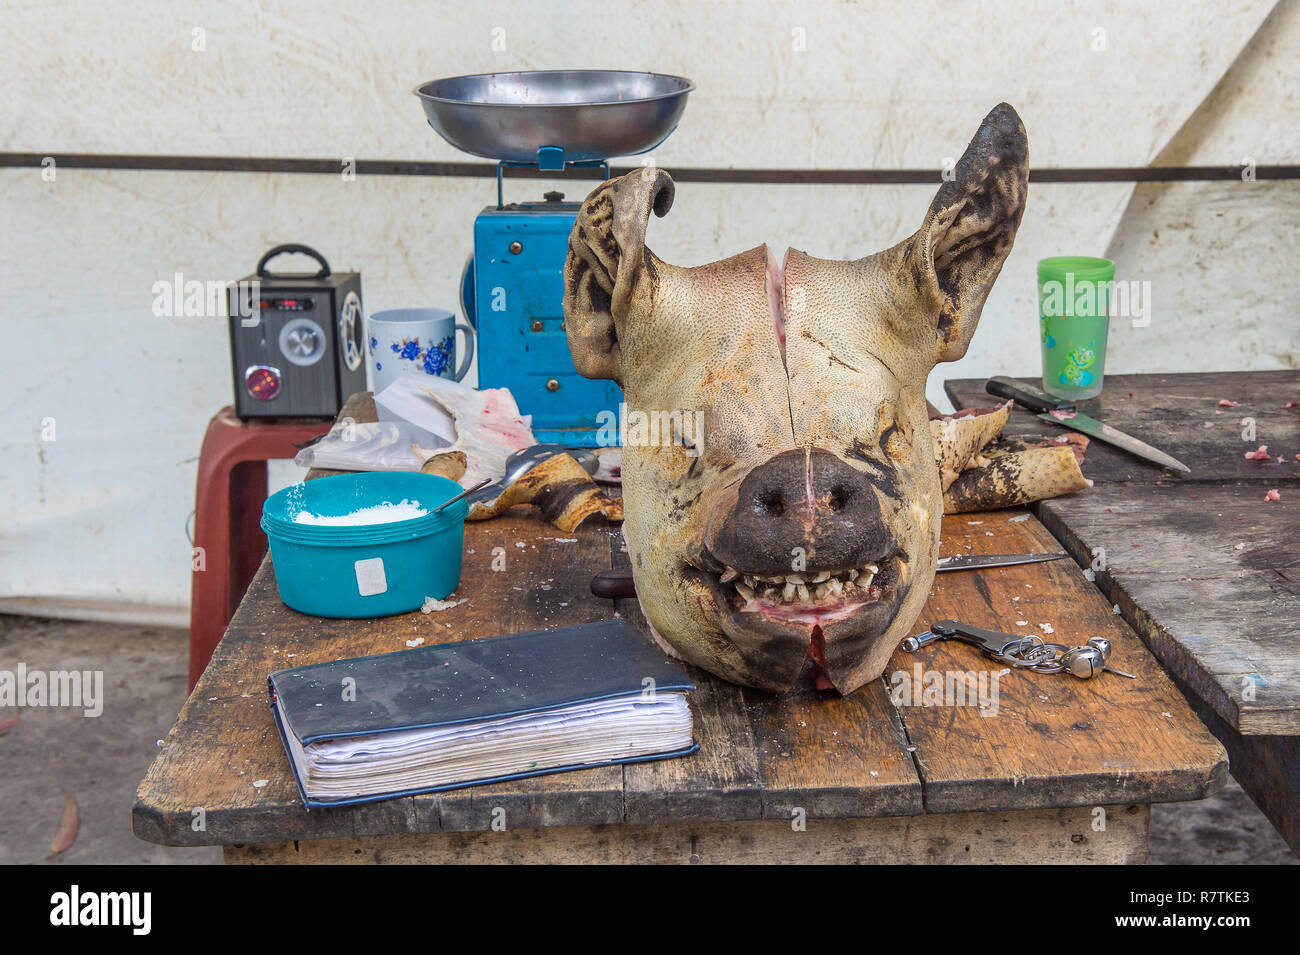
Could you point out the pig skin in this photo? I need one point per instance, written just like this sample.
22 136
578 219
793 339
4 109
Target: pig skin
810 375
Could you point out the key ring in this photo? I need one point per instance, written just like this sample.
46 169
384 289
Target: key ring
1024 652
1053 652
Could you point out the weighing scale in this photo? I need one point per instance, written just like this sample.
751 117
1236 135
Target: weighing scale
512 289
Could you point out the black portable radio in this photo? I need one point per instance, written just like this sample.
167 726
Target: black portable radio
297 341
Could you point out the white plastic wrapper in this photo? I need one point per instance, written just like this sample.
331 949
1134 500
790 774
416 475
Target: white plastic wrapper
374 446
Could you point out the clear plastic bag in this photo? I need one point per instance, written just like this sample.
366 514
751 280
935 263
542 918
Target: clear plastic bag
373 446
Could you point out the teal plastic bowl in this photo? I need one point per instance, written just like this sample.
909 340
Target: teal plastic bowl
367 570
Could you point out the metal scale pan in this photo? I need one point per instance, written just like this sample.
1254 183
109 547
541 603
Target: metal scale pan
555 117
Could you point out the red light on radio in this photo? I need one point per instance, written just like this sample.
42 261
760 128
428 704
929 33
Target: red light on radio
262 382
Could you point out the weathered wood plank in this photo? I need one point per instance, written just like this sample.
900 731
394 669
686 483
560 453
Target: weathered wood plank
1171 413
1211 581
1063 836
1052 739
1213 589
830 756
1267 767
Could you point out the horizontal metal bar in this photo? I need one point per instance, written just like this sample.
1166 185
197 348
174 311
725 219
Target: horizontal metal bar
478 170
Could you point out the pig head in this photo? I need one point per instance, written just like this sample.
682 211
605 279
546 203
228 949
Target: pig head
802 522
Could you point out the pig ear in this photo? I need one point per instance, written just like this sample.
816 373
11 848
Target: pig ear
607 264
969 229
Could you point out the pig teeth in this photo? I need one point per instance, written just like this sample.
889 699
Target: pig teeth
788 591
750 581
836 585
823 576
821 591
853 575
865 582
794 578
872 568
744 591
729 575
802 591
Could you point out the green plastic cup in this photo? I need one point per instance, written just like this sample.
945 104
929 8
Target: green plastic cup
1073 315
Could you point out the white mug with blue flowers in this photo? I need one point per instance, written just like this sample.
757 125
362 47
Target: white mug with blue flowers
415 341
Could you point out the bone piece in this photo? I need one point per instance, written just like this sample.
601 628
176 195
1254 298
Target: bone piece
562 489
448 464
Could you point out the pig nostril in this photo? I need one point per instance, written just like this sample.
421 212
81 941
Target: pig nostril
840 497
772 502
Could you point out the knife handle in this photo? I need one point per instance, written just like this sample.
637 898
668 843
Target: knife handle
1032 398
613 584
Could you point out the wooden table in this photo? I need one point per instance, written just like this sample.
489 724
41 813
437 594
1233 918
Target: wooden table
1065 771
1204 569
1171 412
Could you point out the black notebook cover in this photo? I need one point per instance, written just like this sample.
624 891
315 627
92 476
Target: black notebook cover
469 681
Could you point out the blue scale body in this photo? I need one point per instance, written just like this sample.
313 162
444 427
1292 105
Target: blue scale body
513 292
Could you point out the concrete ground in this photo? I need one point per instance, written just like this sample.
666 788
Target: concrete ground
51 753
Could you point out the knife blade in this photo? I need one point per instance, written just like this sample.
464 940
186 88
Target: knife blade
1061 411
615 584
1125 442
969 561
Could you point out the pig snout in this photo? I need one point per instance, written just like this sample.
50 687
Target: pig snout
803 509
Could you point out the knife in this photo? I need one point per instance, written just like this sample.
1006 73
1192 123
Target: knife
618 583
970 561
1036 400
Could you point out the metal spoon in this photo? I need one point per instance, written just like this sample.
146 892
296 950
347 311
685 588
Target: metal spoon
521 462
465 493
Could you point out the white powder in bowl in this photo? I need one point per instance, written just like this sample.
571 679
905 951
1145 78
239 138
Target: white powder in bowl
386 513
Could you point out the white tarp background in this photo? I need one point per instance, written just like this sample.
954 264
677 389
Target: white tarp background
93 522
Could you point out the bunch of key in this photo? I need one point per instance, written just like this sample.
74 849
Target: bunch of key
1030 653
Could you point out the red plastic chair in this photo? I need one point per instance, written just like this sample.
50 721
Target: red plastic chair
230 491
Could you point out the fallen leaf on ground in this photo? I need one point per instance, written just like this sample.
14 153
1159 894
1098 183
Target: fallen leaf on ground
68 826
